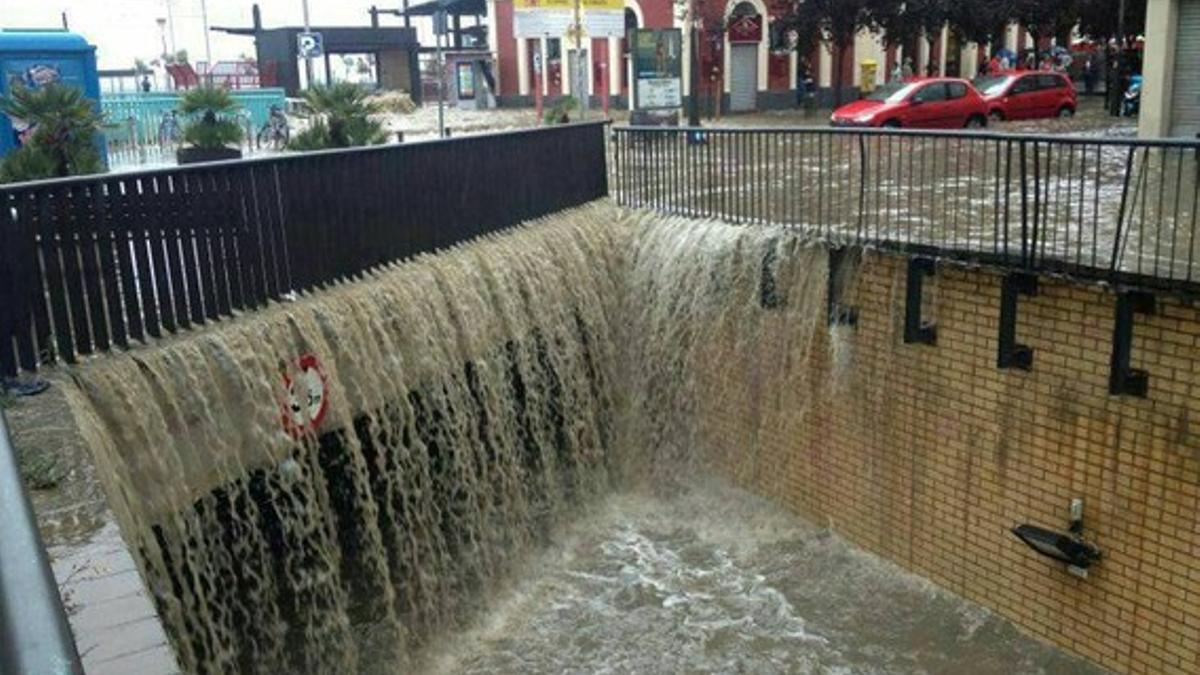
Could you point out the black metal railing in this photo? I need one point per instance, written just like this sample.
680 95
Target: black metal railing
1121 210
34 634
95 262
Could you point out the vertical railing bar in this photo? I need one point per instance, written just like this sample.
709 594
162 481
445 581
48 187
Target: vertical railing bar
1121 209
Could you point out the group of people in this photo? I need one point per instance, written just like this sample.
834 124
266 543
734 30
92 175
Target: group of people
1004 61
1000 62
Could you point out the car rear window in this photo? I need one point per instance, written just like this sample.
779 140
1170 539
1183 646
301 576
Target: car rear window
1050 82
955 90
992 85
1023 85
931 92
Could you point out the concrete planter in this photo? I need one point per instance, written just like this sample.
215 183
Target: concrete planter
197 155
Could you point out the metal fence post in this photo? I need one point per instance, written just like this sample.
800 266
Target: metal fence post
34 634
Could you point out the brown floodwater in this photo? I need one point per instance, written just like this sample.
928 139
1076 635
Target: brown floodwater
509 480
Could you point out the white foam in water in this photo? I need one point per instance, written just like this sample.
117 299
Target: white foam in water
507 475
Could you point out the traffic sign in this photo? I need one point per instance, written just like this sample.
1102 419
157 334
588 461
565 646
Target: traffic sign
306 395
310 45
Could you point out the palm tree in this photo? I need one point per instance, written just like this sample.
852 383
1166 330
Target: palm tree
62 131
343 117
214 107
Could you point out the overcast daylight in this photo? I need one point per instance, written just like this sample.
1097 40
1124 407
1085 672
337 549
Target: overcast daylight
612 337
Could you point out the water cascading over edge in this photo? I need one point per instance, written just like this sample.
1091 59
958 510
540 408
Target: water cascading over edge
458 404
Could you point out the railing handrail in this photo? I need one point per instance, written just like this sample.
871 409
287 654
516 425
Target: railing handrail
34 634
93 262
1065 139
1054 204
284 158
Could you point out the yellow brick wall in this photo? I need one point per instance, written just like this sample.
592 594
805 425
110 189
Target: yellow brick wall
929 455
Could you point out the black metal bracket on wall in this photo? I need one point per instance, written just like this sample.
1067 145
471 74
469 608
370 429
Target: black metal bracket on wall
916 330
842 262
1124 379
1010 353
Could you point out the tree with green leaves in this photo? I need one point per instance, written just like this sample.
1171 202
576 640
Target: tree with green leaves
63 125
794 18
981 21
211 112
905 22
1043 19
343 116
1098 19
839 22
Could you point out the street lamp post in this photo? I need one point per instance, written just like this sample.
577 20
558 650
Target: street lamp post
171 26
162 33
207 42
1114 96
579 78
694 69
308 65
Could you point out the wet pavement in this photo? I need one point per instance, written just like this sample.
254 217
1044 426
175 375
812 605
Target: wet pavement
112 617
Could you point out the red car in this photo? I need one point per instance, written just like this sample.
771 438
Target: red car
926 103
1027 94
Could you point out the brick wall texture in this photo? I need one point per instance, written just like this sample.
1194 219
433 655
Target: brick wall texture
929 455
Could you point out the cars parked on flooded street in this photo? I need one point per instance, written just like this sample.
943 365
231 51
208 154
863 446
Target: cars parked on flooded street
925 103
1027 95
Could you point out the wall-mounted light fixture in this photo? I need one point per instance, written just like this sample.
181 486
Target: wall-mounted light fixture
1065 547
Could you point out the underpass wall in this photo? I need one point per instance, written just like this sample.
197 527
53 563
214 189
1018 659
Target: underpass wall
930 455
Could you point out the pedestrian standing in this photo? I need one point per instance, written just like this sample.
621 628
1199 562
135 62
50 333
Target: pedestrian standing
907 71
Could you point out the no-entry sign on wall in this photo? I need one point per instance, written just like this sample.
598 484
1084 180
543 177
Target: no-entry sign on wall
306 395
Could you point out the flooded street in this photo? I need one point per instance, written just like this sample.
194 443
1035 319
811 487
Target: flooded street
712 579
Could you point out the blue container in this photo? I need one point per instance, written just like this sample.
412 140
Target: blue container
35 58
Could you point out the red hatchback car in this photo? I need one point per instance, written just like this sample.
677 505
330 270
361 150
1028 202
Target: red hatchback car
927 103
1027 94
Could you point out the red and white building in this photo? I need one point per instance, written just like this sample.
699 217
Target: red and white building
737 62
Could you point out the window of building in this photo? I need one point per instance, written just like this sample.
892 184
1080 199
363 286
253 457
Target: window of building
744 9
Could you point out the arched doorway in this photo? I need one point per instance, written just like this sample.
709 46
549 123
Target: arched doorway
745 35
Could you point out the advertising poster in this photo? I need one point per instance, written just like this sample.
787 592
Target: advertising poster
657 67
539 18
604 18
33 74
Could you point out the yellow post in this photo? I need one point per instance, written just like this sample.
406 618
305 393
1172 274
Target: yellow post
866 75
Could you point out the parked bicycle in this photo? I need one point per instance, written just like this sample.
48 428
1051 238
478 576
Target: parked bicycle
169 131
274 132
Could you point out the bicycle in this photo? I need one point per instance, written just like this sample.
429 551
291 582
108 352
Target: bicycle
275 131
169 131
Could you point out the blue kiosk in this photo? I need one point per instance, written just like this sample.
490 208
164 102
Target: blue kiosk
37 58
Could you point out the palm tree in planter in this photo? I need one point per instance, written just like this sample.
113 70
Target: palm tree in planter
212 129
60 136
343 116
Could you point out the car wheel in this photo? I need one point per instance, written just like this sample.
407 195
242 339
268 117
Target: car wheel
976 122
996 116
1066 111
891 124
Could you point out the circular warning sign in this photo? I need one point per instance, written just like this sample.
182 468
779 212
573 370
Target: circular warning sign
306 394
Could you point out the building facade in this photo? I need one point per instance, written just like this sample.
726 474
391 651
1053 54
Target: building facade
1171 65
742 68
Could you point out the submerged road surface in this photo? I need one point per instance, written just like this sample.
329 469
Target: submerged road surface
715 580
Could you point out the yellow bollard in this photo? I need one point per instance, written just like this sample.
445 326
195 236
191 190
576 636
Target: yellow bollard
866 75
